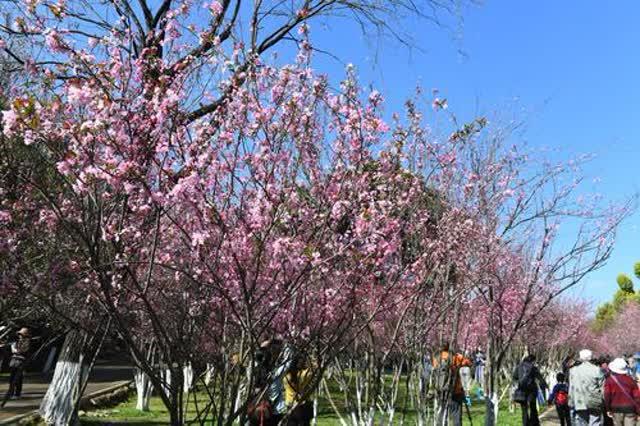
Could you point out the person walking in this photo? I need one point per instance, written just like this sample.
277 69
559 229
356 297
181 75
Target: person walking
560 398
621 395
19 352
297 389
479 361
631 366
451 394
586 383
427 370
273 361
603 362
466 376
528 381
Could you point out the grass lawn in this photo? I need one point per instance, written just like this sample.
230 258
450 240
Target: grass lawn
125 413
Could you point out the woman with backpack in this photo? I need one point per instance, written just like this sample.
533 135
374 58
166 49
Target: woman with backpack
560 398
528 380
621 395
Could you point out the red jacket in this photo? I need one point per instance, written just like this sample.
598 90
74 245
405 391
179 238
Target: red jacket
621 394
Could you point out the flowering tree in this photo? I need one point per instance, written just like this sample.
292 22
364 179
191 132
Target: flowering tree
521 262
621 338
204 200
526 213
259 211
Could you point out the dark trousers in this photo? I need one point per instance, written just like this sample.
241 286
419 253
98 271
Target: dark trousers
606 420
455 410
564 414
301 415
530 411
15 381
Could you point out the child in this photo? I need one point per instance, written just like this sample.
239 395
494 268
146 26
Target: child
560 398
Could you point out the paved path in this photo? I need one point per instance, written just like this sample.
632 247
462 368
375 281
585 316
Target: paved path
550 418
35 387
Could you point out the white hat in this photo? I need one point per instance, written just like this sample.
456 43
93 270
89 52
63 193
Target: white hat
585 355
618 366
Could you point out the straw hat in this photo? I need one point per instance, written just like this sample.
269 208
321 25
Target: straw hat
24 331
618 366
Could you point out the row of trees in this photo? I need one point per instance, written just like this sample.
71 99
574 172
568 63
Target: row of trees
163 181
612 331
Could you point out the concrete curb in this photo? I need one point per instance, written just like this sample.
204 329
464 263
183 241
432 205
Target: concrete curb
26 417
86 399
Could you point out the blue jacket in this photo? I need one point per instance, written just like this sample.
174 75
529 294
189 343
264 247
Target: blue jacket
558 388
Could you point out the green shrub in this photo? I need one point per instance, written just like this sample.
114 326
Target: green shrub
625 283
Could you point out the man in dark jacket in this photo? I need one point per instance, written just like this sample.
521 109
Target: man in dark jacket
528 379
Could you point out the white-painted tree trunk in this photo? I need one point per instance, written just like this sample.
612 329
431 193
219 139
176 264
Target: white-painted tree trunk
314 420
67 384
496 407
143 390
239 398
390 413
187 371
166 388
370 416
492 406
208 375
58 403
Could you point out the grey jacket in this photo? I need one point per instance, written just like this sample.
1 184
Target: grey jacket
586 383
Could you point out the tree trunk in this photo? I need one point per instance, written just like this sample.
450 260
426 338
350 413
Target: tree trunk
491 410
208 378
143 390
69 378
166 378
176 389
187 372
49 363
490 370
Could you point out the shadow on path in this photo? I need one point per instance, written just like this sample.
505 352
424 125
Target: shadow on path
35 386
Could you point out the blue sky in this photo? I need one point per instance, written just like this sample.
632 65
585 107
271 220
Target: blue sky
570 69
